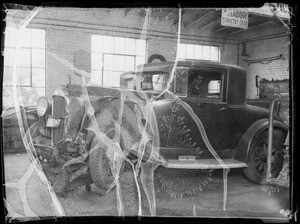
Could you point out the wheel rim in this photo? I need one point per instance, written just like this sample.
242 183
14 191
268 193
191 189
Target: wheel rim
260 159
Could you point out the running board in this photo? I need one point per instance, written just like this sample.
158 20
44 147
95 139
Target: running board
204 164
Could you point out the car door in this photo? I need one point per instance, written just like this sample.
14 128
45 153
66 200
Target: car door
207 97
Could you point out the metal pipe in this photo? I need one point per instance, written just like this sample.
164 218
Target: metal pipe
270 137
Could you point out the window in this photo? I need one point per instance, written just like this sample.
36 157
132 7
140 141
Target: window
112 56
204 84
30 67
153 81
198 52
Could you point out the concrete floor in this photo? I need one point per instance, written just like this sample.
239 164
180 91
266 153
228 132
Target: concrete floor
244 198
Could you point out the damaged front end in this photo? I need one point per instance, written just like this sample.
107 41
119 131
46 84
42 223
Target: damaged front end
63 141
59 144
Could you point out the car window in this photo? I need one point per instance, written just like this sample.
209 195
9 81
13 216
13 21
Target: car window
204 84
158 81
153 81
145 81
181 77
127 81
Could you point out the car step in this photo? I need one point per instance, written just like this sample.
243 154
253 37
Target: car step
204 164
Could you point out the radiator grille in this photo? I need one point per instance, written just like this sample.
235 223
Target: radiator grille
58 111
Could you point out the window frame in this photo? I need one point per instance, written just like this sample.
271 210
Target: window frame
99 50
39 88
185 58
221 99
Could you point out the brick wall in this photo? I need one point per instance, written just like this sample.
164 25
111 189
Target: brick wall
68 32
229 54
66 38
65 44
277 69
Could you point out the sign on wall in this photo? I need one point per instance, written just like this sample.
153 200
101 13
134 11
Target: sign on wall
235 17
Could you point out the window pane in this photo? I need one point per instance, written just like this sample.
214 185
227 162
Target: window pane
119 45
206 52
116 77
31 95
96 77
10 37
111 79
129 46
108 44
7 99
7 91
38 58
9 56
40 91
7 76
198 52
96 61
190 51
140 48
181 51
140 61
24 58
108 62
38 38
119 63
129 63
24 76
214 53
25 37
96 43
38 77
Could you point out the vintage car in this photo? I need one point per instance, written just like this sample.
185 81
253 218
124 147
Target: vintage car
201 121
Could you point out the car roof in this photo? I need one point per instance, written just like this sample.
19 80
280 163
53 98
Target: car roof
167 66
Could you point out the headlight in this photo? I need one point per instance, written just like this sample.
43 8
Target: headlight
43 105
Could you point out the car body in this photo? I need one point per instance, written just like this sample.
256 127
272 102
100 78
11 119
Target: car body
200 113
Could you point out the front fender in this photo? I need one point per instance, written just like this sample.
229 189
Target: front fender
241 152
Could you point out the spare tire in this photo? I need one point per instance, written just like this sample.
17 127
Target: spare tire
156 56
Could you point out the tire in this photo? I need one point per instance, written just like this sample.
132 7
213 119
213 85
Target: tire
99 165
257 160
98 161
156 56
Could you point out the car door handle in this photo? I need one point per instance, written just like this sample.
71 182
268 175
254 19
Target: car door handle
223 108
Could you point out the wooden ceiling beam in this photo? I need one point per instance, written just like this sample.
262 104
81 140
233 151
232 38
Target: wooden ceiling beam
250 28
168 14
220 29
209 13
126 11
209 24
196 20
183 15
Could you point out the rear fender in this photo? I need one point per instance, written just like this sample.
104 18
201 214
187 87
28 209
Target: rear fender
241 152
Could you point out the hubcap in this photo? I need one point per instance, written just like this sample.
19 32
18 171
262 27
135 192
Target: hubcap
260 159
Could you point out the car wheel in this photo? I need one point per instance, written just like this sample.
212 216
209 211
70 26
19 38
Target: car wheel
257 160
99 164
98 160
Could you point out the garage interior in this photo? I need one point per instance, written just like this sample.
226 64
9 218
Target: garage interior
95 40
262 49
